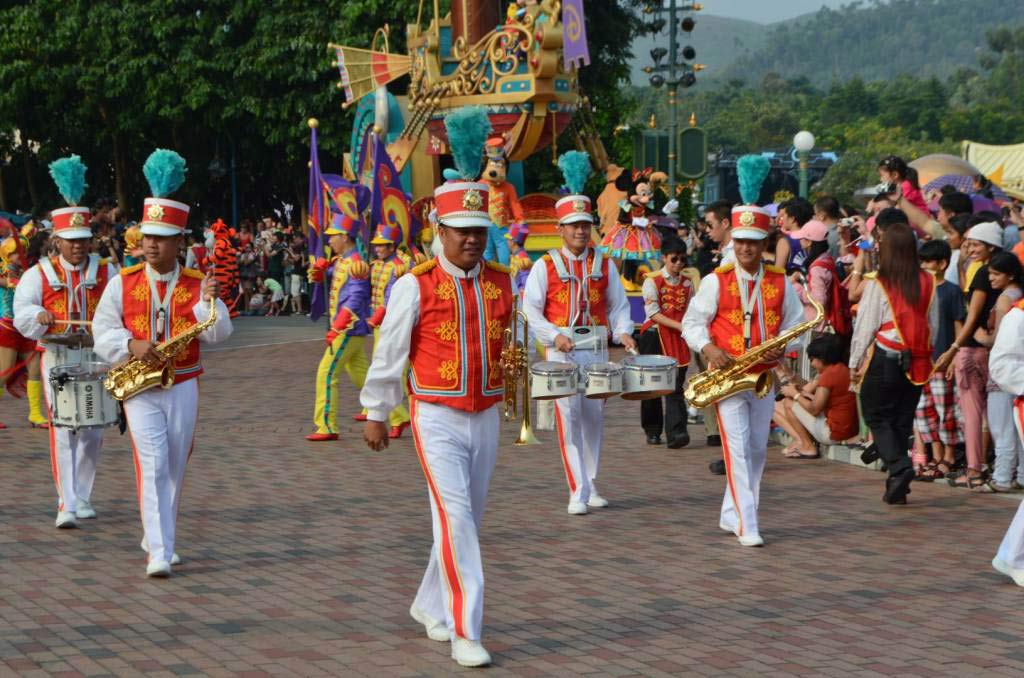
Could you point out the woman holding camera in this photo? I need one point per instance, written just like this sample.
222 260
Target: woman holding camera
890 354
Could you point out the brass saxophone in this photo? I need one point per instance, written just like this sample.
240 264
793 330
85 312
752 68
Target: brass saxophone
710 386
515 358
134 376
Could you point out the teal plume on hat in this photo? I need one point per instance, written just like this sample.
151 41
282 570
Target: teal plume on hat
69 175
468 128
575 166
165 172
752 170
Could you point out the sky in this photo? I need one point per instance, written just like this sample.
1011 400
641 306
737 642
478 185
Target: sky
766 11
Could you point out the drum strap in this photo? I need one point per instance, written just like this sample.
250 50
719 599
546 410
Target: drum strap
51 275
91 270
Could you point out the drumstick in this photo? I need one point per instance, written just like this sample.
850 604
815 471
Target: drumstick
84 323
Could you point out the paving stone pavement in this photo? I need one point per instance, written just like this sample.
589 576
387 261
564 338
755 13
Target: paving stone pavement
302 558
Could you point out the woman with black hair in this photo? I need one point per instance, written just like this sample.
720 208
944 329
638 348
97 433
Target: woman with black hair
1005 277
890 353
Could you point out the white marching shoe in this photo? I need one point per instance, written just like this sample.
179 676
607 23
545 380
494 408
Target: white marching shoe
1014 573
175 559
577 508
725 528
435 630
85 511
751 540
597 501
158 568
66 520
469 652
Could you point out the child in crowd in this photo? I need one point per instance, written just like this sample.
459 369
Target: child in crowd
824 411
895 170
937 419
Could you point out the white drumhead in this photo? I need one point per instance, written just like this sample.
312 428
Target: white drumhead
605 369
642 361
551 368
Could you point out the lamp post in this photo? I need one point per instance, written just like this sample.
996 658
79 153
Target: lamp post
803 141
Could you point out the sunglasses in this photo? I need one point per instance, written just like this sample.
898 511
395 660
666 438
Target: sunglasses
673 258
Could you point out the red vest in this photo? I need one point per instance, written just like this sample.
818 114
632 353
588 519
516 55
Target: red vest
456 346
911 324
139 313
727 325
673 300
59 302
565 298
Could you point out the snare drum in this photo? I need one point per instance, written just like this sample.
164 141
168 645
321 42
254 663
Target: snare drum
602 380
79 399
64 355
648 376
550 380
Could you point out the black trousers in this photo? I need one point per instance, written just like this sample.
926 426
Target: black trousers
888 401
674 419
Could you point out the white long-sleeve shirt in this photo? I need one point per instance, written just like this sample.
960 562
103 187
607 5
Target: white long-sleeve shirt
536 294
384 389
1006 360
28 297
112 337
704 306
872 311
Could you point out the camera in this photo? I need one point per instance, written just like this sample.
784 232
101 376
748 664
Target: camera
847 223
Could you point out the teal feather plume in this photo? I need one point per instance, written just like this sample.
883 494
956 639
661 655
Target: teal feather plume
468 128
752 170
575 166
165 172
69 175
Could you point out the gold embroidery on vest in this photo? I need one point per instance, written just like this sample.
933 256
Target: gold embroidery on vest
562 295
734 289
769 292
770 319
140 324
491 291
735 317
182 295
736 343
445 290
595 295
180 326
447 331
58 307
140 293
494 329
448 370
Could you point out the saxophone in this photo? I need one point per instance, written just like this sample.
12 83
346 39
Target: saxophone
710 386
134 376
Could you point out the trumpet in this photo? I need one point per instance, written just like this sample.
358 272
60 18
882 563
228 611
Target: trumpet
515 364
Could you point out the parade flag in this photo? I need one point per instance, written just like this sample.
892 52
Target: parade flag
574 35
389 203
345 197
317 218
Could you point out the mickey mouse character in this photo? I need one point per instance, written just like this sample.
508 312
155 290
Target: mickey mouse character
633 237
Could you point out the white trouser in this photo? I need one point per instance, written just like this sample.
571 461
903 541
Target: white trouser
1009 460
580 426
73 454
162 423
744 422
457 451
1011 551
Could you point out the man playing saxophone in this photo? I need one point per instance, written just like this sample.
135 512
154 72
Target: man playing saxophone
737 308
144 306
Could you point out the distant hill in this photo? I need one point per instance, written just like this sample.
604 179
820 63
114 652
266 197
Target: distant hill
719 41
875 40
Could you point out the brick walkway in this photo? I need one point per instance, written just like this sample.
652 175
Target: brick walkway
302 559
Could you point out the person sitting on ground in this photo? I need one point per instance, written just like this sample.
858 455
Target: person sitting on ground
824 411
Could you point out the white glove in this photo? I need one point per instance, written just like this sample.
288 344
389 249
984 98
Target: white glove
670 207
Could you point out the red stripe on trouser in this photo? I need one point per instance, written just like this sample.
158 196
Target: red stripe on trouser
727 456
451 570
54 464
561 446
1018 413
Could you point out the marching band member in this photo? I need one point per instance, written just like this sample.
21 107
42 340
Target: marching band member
57 290
349 306
1006 366
736 308
388 266
570 288
667 293
142 307
447 319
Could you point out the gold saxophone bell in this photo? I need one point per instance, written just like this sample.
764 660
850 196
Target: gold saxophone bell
515 359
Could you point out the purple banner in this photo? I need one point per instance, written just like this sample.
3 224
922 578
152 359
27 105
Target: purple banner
574 35
317 223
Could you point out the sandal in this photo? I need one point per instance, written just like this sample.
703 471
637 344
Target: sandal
788 450
929 474
965 479
992 487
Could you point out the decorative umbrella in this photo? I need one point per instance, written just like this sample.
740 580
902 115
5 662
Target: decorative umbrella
964 184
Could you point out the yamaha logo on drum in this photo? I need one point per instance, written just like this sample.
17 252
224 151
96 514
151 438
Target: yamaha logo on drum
89 402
